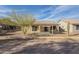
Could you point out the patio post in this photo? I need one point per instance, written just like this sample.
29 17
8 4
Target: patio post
52 29
58 28
39 29
49 28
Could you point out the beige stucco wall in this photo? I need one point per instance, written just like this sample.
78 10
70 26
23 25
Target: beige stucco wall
71 28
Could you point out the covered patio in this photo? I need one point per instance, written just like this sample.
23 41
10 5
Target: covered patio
46 27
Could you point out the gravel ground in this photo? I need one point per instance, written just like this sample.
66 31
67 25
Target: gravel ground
39 46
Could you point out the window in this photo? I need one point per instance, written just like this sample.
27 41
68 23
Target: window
34 28
46 29
77 27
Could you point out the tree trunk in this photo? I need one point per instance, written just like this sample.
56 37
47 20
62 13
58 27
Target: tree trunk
24 30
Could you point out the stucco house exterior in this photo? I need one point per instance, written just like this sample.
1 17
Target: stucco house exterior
47 26
71 24
44 26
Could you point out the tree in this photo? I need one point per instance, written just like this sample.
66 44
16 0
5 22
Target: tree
7 21
22 20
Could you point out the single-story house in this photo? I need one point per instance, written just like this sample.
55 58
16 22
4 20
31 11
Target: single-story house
44 26
47 26
69 24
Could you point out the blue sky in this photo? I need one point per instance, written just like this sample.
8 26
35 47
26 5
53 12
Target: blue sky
43 12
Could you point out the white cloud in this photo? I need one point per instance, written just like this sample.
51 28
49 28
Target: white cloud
58 10
72 16
4 10
42 12
46 9
10 10
3 15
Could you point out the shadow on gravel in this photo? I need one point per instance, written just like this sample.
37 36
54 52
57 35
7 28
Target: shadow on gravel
67 47
6 34
6 45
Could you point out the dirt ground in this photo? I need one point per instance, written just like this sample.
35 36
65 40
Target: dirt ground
39 45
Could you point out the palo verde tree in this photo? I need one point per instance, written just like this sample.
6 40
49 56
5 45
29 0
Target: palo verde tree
22 20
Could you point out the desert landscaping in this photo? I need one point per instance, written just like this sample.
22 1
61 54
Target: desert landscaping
12 43
22 33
